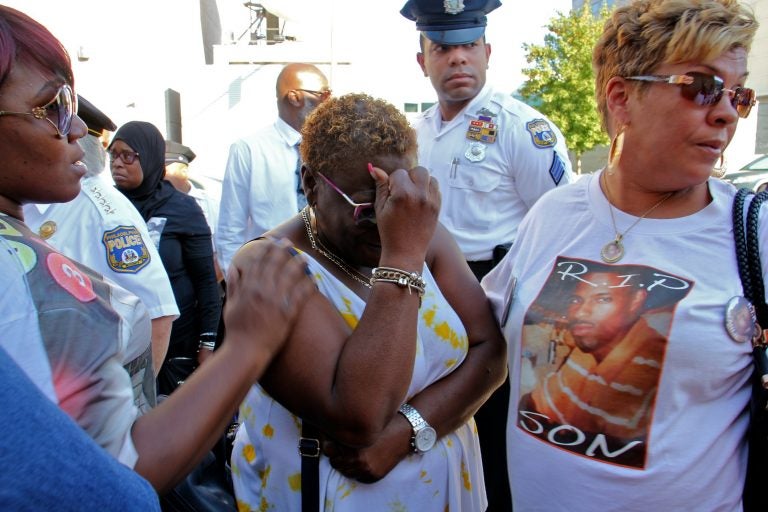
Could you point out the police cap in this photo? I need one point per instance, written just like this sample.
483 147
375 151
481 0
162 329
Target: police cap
178 152
450 22
96 120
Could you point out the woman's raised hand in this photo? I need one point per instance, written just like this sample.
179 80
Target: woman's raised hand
407 206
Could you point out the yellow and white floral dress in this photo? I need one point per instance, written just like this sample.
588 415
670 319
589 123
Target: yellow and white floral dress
266 466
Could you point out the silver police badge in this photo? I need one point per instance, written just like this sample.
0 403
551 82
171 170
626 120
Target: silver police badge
475 152
453 6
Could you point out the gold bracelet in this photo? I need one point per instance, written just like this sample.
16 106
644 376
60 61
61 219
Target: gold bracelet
410 280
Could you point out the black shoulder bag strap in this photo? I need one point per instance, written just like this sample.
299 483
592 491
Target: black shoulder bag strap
750 271
309 449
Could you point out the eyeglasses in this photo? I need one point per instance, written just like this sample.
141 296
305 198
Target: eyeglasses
364 212
62 108
704 89
128 157
323 95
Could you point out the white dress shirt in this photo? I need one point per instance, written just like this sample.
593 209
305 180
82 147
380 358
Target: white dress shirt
208 203
259 187
485 195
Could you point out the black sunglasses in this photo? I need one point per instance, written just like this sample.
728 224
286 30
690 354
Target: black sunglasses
323 95
705 89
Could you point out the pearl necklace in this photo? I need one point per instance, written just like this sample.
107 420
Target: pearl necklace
613 251
319 247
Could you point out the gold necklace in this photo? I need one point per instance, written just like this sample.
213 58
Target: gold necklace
613 251
319 247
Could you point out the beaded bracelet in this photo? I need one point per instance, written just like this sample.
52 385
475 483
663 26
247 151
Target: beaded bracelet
410 280
208 345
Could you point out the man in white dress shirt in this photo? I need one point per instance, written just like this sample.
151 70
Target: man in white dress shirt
262 185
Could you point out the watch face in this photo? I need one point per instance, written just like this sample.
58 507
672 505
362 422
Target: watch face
425 439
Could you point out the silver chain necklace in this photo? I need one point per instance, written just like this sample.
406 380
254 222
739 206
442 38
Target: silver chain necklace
319 247
613 251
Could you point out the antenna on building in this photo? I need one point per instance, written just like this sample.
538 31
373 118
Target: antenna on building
272 33
172 115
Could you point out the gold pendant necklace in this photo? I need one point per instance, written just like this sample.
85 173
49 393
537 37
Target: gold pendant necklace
319 247
613 251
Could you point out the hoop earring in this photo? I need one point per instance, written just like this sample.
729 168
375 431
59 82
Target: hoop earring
614 153
720 170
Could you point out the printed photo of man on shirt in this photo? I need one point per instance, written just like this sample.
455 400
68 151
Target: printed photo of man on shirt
593 350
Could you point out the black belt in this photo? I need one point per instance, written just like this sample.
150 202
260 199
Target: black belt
309 449
480 268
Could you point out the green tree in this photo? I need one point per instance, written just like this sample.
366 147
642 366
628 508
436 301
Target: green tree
560 81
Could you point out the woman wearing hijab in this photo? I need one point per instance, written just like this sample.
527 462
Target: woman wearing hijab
179 229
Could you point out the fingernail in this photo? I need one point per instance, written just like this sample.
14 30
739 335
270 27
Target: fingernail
293 252
370 168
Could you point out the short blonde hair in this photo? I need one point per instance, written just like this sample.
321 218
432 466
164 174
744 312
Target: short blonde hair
641 36
346 129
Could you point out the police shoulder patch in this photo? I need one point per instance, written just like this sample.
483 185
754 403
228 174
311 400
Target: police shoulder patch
542 134
126 251
557 169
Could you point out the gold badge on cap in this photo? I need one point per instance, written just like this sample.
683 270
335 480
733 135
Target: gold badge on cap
47 229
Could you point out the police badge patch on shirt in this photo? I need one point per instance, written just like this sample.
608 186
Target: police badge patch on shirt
542 134
126 251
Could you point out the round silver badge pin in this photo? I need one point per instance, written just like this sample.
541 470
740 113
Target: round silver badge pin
740 319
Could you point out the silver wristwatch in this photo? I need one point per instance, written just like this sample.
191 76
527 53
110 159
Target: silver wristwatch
424 436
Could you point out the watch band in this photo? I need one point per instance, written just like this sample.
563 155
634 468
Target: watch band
423 436
413 416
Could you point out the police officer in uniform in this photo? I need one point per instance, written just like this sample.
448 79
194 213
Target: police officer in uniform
102 229
177 160
493 156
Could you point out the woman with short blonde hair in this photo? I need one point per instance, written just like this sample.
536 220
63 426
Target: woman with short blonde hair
630 385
